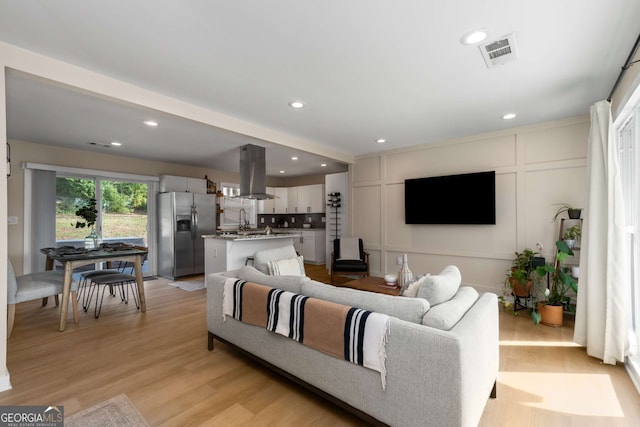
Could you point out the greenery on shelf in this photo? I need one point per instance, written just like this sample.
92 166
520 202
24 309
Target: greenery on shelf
574 213
572 233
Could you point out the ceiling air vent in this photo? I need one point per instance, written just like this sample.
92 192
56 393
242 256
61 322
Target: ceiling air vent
499 51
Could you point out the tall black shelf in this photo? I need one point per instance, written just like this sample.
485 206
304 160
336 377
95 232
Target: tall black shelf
334 214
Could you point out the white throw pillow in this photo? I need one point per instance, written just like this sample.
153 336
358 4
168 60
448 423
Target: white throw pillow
439 288
287 267
411 289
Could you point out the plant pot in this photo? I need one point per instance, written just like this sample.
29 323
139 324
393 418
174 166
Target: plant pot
521 289
574 213
570 242
575 271
551 315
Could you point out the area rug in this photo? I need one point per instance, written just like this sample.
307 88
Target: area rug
115 412
188 285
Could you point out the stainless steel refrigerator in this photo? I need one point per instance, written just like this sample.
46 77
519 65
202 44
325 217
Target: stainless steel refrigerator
183 218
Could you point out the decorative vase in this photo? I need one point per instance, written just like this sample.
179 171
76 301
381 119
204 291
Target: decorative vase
550 315
405 275
93 240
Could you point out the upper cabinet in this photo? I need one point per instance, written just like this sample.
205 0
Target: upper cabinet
291 200
281 199
267 206
182 183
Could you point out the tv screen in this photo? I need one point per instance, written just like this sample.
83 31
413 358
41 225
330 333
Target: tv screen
453 199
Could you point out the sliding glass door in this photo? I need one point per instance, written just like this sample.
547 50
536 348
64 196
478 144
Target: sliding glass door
122 210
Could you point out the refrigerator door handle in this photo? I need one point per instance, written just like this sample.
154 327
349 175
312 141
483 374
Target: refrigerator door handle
194 221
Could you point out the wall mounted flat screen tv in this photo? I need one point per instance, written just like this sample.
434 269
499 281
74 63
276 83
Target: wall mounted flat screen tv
452 199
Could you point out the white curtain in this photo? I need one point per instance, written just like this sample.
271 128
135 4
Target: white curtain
43 220
601 314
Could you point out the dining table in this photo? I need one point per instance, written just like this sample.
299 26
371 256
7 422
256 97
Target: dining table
72 258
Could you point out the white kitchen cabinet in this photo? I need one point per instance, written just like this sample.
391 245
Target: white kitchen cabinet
267 206
281 199
292 200
182 183
297 244
313 246
317 202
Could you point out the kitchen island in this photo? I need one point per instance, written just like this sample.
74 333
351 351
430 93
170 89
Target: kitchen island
224 252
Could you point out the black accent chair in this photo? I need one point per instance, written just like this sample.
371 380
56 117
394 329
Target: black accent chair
349 267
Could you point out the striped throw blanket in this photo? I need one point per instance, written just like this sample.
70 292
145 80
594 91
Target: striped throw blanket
353 334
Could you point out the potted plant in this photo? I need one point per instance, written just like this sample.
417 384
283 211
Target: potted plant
518 278
550 311
572 234
574 213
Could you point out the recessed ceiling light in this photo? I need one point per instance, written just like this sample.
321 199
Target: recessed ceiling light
294 158
150 123
281 171
323 165
509 116
474 36
296 104
381 140
116 143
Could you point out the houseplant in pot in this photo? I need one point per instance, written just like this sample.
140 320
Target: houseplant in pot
572 234
573 213
550 311
518 278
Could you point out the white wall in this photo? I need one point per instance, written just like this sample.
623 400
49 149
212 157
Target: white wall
536 167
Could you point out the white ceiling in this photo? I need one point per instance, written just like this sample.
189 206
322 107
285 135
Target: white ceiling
366 69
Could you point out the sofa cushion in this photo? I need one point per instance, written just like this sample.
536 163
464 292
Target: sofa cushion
445 316
287 267
261 258
408 309
286 283
441 287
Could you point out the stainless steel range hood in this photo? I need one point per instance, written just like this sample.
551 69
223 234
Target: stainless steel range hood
253 174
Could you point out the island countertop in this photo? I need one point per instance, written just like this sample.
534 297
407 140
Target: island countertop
234 236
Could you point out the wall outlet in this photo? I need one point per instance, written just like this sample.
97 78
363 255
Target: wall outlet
293 219
308 219
324 219
12 220
273 220
261 220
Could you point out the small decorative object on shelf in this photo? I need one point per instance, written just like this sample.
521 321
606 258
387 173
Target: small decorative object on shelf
211 186
405 275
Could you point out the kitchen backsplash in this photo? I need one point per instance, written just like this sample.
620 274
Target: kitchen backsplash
293 220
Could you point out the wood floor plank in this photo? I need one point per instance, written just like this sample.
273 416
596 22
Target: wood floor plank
160 360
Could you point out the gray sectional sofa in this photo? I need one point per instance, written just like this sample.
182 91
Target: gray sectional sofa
441 363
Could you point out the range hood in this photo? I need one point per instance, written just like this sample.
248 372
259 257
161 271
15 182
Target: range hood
253 174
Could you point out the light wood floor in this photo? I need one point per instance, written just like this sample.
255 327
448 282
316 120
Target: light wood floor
160 360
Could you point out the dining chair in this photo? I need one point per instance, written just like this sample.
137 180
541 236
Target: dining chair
87 277
120 280
34 286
